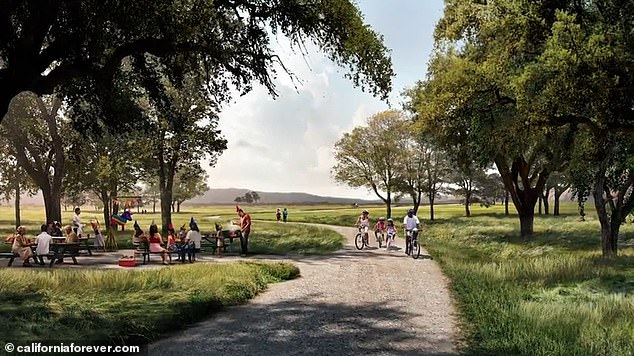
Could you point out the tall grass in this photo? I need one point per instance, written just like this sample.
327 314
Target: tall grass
119 307
552 294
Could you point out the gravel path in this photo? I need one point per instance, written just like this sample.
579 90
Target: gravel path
351 302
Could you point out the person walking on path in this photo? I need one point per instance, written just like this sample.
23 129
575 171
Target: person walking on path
285 215
245 228
278 215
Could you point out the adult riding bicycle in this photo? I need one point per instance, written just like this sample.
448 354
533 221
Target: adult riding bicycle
413 244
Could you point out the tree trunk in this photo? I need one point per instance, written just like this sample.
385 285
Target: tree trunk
105 199
18 221
467 201
166 208
545 200
609 232
431 206
52 204
388 203
557 196
539 203
518 182
416 200
526 223
506 203
178 206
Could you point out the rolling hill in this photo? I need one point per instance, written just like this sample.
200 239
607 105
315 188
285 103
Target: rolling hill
227 196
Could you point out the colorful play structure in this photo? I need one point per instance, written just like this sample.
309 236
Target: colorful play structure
123 218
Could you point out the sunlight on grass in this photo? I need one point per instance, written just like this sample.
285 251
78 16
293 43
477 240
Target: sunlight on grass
135 306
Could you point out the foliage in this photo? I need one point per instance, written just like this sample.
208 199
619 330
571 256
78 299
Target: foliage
38 138
119 307
370 156
47 46
189 184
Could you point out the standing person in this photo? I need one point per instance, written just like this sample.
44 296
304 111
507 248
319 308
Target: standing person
22 246
77 226
278 215
245 228
410 223
285 214
99 243
193 235
43 241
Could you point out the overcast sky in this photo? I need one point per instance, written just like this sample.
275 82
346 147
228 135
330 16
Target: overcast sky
286 144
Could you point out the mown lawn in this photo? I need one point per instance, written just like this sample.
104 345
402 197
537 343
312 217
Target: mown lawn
124 307
266 237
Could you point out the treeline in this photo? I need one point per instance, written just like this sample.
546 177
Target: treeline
95 97
542 90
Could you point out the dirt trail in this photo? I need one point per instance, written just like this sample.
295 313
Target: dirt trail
351 302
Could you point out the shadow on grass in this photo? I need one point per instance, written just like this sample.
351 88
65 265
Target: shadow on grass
295 326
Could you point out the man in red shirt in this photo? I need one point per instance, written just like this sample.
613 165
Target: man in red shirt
245 227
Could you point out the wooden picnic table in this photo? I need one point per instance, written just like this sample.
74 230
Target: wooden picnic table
220 240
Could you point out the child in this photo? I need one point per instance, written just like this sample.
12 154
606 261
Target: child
171 238
391 233
98 236
379 227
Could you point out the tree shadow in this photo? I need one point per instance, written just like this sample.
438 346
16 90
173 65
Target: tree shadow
299 327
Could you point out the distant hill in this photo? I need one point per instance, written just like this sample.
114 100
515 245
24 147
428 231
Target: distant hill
227 196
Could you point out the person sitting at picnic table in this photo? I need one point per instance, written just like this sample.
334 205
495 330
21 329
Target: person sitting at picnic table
171 238
22 246
56 229
71 236
136 237
194 235
156 242
43 241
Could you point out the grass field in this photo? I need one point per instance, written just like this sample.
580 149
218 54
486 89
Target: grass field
552 294
266 237
124 307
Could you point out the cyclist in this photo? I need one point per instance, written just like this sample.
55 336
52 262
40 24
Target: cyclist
391 233
363 222
379 227
410 223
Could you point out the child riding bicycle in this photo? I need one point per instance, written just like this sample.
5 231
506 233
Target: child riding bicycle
363 222
390 229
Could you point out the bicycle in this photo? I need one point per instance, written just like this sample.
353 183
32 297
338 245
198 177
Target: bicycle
380 237
361 240
414 246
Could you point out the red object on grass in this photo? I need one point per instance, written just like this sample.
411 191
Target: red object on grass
127 263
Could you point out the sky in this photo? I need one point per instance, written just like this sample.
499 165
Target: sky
286 144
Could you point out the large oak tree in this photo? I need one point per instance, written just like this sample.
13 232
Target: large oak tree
56 44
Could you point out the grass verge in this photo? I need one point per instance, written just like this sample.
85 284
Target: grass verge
125 307
550 295
290 239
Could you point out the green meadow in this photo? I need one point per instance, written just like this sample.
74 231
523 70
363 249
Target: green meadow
552 294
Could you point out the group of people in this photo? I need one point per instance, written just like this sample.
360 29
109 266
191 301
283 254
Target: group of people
281 215
411 223
26 248
186 243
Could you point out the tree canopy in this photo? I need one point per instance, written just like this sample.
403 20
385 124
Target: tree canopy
53 45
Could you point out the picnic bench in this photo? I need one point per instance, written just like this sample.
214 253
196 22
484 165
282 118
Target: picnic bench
58 251
10 255
144 250
216 240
